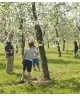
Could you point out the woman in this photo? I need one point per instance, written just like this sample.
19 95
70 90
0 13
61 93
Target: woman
9 50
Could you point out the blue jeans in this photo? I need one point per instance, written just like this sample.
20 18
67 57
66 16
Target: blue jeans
35 61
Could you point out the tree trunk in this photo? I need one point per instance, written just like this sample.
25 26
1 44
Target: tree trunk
48 45
56 29
23 44
16 48
59 50
23 39
63 44
58 46
41 46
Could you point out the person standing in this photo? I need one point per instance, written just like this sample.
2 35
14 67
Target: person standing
35 60
9 51
75 48
27 61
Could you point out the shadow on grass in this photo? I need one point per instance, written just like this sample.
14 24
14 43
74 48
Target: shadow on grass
49 52
17 74
59 61
64 53
72 85
18 66
2 65
53 86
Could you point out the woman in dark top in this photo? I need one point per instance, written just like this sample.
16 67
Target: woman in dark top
9 50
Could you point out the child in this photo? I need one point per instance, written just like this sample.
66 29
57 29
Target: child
9 50
27 60
35 60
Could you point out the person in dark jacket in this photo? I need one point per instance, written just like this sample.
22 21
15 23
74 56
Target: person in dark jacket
9 51
75 48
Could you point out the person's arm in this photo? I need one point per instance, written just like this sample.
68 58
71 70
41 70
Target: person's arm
6 53
24 55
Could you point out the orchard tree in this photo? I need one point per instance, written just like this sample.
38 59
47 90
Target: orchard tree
41 44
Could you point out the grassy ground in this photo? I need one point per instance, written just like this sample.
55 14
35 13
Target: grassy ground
64 72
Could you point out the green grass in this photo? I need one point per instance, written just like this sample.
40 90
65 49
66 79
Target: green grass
64 72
